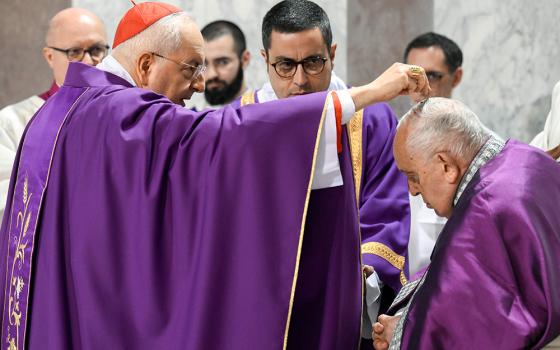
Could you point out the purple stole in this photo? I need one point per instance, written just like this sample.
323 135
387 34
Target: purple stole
32 177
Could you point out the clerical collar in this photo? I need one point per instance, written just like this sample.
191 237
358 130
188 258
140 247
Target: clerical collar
53 89
491 148
111 65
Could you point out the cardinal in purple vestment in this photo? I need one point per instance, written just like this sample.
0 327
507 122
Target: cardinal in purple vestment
494 274
135 223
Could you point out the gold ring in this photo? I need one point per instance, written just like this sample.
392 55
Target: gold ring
416 71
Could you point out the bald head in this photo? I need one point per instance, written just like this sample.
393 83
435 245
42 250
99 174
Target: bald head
72 28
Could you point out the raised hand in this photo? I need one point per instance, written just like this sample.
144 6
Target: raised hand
399 79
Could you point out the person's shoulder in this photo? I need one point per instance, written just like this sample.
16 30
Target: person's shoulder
518 172
22 110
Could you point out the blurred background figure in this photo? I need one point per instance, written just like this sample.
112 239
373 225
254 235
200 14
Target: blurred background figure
227 58
74 34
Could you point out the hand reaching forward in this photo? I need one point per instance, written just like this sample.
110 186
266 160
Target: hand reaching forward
383 331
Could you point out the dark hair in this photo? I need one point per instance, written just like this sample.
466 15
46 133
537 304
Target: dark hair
292 16
452 52
217 29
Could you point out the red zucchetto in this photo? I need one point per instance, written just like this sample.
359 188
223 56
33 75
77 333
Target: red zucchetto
140 17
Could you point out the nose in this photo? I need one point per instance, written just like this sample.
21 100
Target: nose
413 188
87 59
300 78
198 84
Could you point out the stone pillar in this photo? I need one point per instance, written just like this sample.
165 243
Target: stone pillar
378 32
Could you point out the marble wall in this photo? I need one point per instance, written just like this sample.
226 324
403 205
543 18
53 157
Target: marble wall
511 51
510 47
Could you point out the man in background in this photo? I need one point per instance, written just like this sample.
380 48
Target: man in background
227 59
442 58
74 35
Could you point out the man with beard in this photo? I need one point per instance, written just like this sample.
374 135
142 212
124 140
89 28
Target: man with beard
226 60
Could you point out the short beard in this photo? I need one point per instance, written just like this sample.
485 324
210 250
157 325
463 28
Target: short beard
227 94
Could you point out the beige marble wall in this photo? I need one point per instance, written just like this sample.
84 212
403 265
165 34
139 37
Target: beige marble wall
511 52
22 36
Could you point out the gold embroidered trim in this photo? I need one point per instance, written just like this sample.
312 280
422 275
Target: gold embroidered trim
354 128
388 254
18 283
403 278
302 227
248 98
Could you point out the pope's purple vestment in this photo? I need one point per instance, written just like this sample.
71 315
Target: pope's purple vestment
162 228
494 277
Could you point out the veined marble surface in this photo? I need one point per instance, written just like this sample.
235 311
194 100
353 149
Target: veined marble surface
247 14
511 51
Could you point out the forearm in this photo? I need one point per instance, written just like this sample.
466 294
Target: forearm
365 95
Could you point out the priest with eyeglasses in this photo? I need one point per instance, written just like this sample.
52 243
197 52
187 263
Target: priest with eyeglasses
74 35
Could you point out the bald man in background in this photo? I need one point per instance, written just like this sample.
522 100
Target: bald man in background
74 34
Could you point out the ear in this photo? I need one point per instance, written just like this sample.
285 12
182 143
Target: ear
457 76
144 65
245 59
332 51
48 55
449 167
264 55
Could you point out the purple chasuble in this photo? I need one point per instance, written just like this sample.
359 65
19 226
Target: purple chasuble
494 277
384 204
162 228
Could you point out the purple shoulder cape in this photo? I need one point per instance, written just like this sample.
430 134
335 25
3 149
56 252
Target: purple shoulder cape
495 271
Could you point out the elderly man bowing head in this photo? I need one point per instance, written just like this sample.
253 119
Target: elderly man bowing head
494 267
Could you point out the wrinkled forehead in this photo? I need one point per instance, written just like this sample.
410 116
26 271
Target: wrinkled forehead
191 48
401 152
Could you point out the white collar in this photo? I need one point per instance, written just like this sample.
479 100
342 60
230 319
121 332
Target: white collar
111 65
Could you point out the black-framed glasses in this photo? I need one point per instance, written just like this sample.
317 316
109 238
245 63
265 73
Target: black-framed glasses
287 68
434 76
96 52
195 71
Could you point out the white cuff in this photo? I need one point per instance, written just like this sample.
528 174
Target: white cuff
347 104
